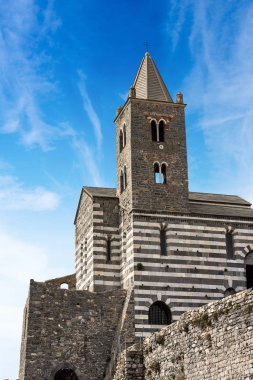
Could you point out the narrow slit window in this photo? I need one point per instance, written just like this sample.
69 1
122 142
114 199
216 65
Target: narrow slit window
121 182
163 242
161 131
154 130
229 244
120 140
125 178
124 136
157 175
108 249
164 175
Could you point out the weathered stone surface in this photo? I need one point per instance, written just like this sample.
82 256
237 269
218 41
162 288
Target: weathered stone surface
214 342
70 327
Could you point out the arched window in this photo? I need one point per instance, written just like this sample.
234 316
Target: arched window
64 285
230 244
108 249
125 177
249 269
161 131
124 135
163 241
65 374
153 130
120 140
159 314
157 176
164 175
229 292
121 182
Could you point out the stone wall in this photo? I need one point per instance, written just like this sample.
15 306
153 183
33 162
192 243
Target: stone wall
213 342
68 327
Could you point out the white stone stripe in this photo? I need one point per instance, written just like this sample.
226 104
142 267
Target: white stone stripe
195 217
189 275
108 283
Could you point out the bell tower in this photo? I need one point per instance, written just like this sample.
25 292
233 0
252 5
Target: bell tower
152 170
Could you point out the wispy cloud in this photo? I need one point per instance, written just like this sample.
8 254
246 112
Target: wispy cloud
20 261
219 88
87 155
14 196
22 81
124 95
87 104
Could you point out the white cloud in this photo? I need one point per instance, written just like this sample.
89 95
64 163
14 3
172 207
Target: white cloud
14 196
20 261
219 88
88 156
23 82
90 110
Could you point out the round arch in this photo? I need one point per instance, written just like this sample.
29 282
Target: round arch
159 314
65 371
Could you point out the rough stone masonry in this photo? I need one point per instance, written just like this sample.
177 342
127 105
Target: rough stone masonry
214 342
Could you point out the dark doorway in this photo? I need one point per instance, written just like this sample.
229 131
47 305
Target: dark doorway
249 276
249 269
65 374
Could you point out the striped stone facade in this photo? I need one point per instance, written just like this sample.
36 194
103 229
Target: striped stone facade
118 231
195 269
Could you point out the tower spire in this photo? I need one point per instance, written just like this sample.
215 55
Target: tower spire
148 83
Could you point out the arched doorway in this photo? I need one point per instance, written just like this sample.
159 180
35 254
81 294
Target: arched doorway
249 269
65 374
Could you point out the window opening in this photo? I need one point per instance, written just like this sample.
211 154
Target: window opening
65 374
163 241
229 244
164 176
125 178
121 182
153 130
120 140
157 173
159 314
249 269
64 285
161 131
108 249
124 136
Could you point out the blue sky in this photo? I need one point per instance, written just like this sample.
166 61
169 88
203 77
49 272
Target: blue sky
65 67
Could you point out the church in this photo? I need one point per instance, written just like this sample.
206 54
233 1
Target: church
146 251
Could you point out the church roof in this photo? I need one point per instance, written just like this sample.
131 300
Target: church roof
101 191
148 82
218 198
200 203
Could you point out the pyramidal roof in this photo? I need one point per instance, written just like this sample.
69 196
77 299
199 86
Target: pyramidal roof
148 82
